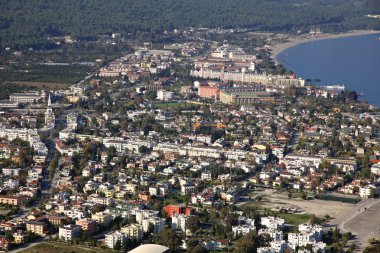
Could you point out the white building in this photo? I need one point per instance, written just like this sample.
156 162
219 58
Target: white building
112 238
242 229
165 95
69 232
272 222
141 215
274 234
275 247
368 191
206 175
187 188
309 234
179 222
157 222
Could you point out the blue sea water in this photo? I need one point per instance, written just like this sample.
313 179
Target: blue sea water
352 61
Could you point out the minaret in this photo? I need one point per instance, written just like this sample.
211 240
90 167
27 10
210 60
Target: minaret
49 101
49 115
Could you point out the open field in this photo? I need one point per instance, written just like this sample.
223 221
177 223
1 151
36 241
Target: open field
63 248
318 207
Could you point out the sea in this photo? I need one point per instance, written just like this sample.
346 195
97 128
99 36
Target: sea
350 61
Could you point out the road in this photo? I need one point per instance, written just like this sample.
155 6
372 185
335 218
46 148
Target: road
362 221
351 214
29 245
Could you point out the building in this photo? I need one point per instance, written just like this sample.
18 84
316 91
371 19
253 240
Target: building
275 235
179 222
206 175
56 220
178 209
188 188
242 229
39 228
275 247
113 238
49 116
28 97
133 231
87 225
244 96
150 248
19 237
368 191
272 222
165 95
102 218
13 200
69 232
157 223
208 92
4 243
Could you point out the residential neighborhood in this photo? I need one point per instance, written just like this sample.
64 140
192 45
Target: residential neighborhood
187 145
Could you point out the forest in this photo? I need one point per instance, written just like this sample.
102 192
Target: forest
29 23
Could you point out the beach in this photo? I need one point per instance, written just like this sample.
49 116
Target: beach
293 40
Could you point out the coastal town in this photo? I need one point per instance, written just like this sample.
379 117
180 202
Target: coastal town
197 146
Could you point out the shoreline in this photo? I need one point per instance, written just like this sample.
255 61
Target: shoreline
296 40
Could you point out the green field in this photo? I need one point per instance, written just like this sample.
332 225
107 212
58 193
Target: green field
340 199
63 248
294 218
46 74
182 105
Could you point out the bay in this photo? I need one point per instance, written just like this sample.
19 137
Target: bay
351 61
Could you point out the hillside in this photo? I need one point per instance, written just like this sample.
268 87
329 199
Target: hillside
24 22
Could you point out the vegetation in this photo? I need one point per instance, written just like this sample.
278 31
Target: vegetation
337 198
372 249
8 89
30 23
63 248
295 218
48 74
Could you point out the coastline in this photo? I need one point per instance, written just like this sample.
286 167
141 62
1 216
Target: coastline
292 41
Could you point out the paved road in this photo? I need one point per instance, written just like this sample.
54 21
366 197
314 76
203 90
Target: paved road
351 214
362 221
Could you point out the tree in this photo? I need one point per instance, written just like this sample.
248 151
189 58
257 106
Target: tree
117 245
198 249
168 238
192 223
247 243
143 149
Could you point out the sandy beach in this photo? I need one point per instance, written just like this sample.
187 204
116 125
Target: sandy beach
277 47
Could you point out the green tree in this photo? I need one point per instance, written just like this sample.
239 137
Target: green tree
247 243
192 223
169 238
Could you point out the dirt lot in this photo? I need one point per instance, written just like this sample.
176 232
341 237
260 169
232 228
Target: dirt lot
318 207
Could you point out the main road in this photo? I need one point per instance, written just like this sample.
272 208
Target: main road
362 221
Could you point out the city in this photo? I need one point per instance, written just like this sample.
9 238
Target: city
199 144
